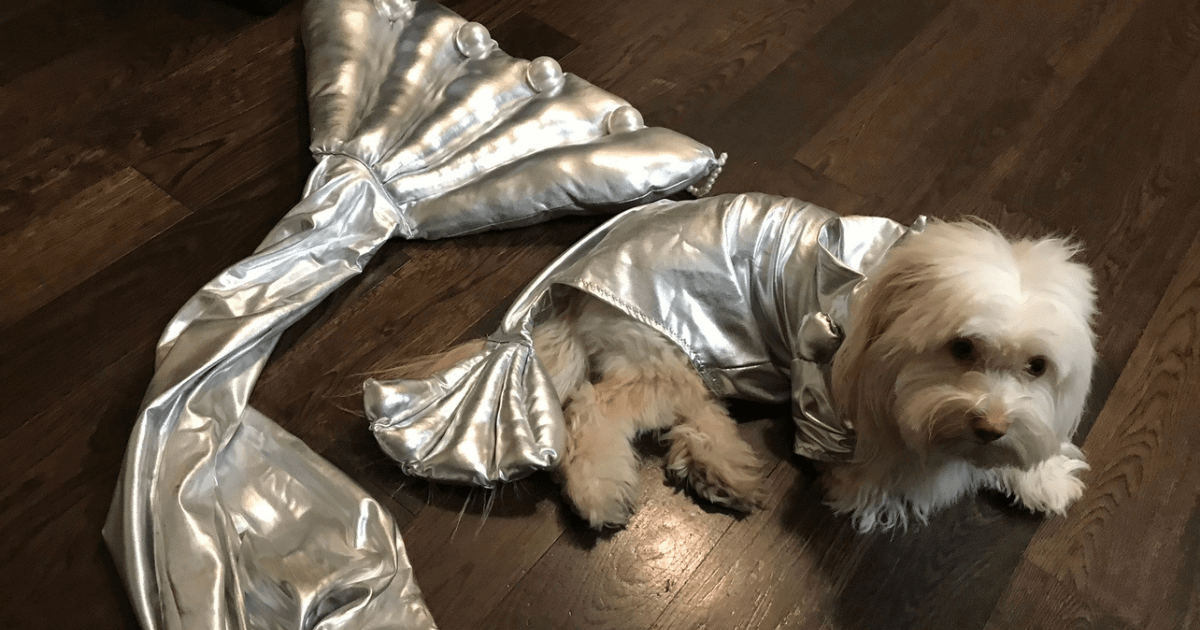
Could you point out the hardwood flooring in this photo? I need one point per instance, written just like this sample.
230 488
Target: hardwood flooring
145 145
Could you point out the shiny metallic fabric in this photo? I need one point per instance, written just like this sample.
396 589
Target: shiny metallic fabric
422 129
755 289
459 137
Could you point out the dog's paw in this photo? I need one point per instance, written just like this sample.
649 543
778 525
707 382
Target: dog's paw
743 497
729 475
604 502
600 508
1051 486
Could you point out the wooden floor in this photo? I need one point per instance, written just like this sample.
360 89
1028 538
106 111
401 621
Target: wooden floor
145 145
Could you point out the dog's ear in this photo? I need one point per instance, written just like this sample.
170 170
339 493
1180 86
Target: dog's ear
866 364
1080 357
1073 391
1051 268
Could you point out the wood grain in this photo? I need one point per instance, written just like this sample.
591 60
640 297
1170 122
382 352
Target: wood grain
57 475
685 67
490 13
471 547
738 576
626 578
814 83
1038 600
977 80
90 231
525 37
125 305
722 56
38 33
242 117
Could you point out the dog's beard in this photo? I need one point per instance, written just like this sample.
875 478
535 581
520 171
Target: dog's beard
934 404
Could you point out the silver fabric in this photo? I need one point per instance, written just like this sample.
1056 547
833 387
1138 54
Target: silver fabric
754 288
460 137
422 128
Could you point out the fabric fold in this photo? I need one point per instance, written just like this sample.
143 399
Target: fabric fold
505 387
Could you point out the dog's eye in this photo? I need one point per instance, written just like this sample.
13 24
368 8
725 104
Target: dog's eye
1036 366
962 349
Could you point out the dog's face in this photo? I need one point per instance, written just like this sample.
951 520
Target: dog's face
965 345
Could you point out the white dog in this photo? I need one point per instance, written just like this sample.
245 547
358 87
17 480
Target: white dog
965 365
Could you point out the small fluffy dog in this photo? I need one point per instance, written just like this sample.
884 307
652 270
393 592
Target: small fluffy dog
966 364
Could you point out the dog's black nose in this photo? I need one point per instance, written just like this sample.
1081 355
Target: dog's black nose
988 429
988 435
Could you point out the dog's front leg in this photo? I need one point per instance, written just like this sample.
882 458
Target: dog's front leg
707 452
600 468
1050 486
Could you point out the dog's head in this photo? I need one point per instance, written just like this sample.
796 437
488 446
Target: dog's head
963 344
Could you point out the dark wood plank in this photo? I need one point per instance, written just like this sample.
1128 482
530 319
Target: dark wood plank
126 305
795 71
706 55
469 546
947 574
792 179
1038 600
526 37
951 107
815 82
718 57
195 107
38 33
490 13
238 121
83 95
89 232
65 555
239 201
58 473
766 568
55 172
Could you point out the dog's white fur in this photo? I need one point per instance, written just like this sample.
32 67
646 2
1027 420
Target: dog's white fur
966 365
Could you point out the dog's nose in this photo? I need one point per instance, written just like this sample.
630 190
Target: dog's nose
989 429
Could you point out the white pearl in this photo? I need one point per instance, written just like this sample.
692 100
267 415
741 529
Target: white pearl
474 40
544 74
625 119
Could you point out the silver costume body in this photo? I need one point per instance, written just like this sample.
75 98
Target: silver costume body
754 288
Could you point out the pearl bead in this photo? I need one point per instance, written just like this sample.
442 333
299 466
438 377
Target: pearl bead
544 74
624 119
474 40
